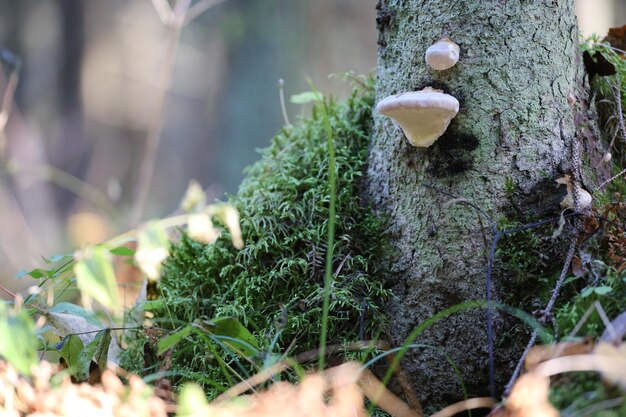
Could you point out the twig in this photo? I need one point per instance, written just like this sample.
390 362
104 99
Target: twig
614 177
165 12
199 8
5 111
183 13
153 137
9 292
69 182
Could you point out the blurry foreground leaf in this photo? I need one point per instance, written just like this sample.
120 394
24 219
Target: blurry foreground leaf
96 279
192 401
612 358
152 250
18 342
229 215
200 228
194 198
122 251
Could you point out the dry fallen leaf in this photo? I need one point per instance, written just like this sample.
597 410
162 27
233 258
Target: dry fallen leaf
543 353
607 354
529 398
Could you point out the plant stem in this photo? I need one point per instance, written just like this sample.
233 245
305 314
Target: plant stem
153 137
332 186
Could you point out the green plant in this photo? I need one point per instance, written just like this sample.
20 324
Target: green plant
275 285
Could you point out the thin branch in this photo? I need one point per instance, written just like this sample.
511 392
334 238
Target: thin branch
68 182
613 178
5 111
153 137
165 12
9 292
199 8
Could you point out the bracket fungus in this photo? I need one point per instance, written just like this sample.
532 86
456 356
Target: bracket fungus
423 115
443 54
584 198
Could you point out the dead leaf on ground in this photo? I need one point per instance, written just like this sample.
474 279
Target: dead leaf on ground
542 353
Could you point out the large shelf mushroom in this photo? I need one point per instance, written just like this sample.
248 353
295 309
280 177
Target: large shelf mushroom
423 115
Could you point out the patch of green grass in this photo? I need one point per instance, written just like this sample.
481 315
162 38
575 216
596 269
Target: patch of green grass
274 286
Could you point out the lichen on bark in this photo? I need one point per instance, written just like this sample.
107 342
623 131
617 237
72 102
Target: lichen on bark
518 66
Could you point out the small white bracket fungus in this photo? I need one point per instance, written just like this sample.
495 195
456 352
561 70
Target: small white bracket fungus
443 54
584 198
423 115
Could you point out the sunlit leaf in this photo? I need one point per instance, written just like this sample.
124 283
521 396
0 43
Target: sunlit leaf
229 215
195 197
96 279
192 401
200 228
152 250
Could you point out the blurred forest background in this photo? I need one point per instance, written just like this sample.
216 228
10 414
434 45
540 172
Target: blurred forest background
88 96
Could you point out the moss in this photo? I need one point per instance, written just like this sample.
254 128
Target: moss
274 285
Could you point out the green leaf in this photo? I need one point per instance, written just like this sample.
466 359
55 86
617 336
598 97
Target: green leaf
38 273
18 340
70 349
171 340
192 401
307 97
122 251
230 327
153 304
102 352
76 310
95 278
57 258
602 290
587 292
97 351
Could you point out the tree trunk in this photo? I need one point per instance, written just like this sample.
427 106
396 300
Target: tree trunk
516 82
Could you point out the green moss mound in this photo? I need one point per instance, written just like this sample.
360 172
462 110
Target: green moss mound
274 285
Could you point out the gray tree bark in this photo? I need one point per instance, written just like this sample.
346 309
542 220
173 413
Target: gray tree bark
515 128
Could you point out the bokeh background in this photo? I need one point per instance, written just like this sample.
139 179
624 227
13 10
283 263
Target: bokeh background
92 78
